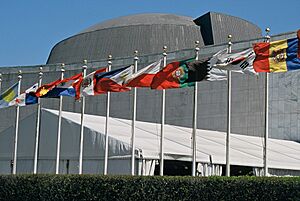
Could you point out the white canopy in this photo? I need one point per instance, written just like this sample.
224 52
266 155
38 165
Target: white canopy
245 150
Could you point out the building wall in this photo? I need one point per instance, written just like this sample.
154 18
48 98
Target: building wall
123 41
148 33
215 27
284 105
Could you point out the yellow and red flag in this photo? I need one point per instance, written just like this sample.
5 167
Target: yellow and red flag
277 56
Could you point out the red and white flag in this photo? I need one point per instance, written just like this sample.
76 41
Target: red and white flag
26 98
113 81
144 77
85 86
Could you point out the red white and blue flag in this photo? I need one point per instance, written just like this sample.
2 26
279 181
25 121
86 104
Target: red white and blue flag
101 82
112 81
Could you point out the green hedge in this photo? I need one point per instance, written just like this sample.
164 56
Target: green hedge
93 187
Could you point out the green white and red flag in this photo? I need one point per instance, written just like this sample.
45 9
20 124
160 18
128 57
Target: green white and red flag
184 73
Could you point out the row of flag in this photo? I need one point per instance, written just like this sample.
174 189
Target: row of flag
277 56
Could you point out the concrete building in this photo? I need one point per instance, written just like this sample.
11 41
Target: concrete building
147 33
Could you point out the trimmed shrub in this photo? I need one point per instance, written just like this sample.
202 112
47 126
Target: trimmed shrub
95 187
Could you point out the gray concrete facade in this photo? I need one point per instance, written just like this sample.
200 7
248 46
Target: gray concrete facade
247 97
148 33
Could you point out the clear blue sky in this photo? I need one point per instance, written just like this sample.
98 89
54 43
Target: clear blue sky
30 28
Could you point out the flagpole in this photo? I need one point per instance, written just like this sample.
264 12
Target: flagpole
195 116
265 150
107 121
84 67
0 83
62 70
133 116
162 128
228 113
17 125
37 131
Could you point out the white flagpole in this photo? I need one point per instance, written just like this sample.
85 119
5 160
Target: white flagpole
17 126
133 116
265 150
62 70
84 67
195 117
228 113
107 122
37 131
162 128
0 83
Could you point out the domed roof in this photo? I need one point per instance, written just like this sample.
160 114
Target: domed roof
147 33
142 19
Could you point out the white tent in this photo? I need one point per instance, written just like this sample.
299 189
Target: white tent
245 150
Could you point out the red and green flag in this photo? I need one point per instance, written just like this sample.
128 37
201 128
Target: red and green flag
181 74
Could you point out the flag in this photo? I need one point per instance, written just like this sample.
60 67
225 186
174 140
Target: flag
144 77
215 74
44 89
26 98
277 56
241 62
298 36
113 80
181 74
7 96
65 87
85 86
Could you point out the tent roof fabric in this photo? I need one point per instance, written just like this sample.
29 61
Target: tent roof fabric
245 150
